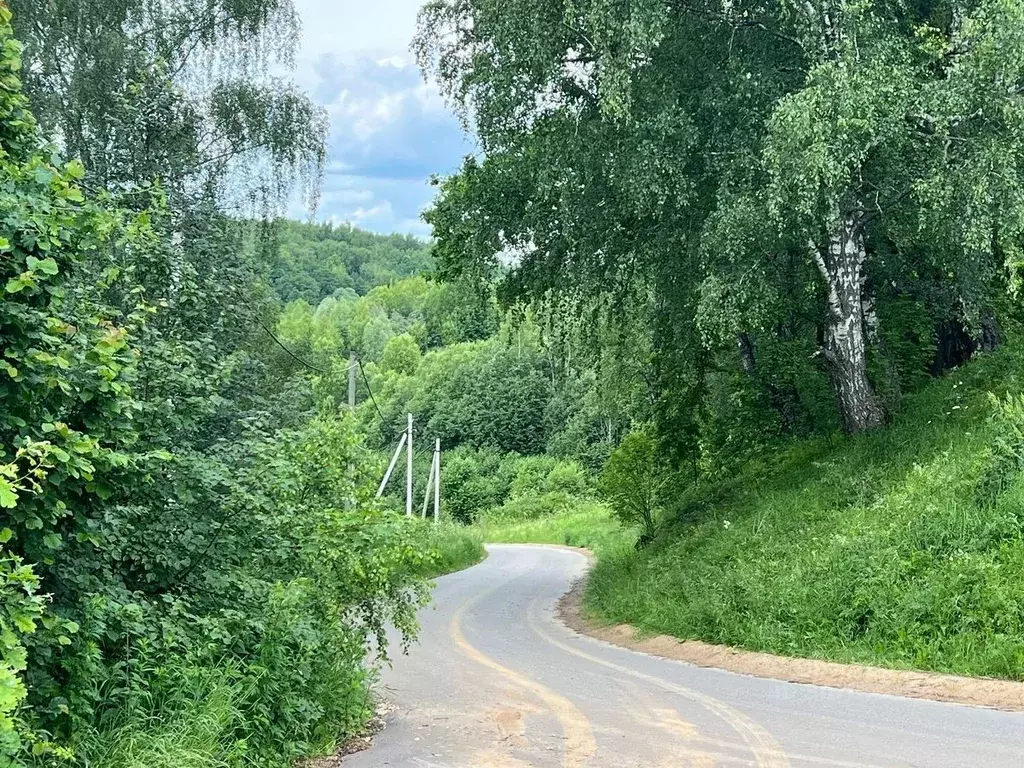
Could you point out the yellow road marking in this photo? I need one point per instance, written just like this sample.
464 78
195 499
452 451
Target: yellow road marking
579 738
766 751
702 699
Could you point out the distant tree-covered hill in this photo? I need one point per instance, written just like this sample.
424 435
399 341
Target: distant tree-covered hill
314 261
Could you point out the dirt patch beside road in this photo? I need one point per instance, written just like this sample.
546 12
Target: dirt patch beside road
978 692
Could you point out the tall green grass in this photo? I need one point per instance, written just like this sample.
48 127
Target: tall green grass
453 547
903 548
583 523
216 716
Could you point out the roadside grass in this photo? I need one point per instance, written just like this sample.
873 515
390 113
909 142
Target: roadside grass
193 731
585 523
902 548
217 716
455 547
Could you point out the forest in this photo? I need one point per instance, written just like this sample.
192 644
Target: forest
729 294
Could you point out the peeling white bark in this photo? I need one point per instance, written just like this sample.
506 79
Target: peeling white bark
841 265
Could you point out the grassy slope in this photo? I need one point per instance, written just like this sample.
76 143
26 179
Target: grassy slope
589 524
876 551
456 546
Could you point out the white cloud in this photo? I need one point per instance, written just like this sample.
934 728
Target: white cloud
390 131
381 210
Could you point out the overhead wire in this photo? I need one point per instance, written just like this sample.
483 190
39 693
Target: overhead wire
290 353
369 389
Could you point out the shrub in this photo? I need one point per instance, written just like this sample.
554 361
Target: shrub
631 480
530 475
474 480
531 507
568 477
401 355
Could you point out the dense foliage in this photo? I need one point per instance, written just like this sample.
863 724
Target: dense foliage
797 212
192 567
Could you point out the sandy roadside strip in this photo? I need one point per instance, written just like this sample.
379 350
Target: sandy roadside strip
978 692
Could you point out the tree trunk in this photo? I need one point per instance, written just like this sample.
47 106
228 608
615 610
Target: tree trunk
990 335
782 401
845 348
746 347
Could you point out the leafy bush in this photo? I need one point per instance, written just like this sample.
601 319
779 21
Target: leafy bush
474 480
631 479
530 507
401 355
568 477
530 474
306 573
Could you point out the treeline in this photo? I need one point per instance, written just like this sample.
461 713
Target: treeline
490 383
785 218
191 563
314 261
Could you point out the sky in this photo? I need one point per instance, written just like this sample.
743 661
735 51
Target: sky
389 129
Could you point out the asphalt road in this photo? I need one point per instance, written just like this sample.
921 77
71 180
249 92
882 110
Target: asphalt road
497 681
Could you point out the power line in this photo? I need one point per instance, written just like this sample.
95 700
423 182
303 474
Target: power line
290 353
366 381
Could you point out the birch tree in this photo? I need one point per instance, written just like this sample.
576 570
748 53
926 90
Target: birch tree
697 148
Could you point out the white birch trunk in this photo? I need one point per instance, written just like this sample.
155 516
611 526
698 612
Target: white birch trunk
842 266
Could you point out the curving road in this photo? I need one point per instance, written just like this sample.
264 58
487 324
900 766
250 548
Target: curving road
497 681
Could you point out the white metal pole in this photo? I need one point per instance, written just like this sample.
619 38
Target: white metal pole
391 466
437 478
408 471
430 484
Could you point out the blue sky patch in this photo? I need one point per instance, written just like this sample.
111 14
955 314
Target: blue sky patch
390 130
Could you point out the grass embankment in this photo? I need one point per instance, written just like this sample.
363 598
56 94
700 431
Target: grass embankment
455 547
903 548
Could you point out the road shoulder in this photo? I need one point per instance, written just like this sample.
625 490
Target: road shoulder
978 692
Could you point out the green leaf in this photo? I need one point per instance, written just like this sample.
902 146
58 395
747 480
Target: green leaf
102 490
75 169
19 283
51 541
8 496
48 266
5 535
